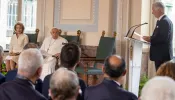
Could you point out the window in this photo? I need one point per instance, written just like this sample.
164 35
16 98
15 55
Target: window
12 11
29 15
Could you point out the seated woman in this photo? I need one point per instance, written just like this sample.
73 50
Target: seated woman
17 43
167 69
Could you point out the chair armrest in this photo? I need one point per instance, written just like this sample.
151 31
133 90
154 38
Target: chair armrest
92 59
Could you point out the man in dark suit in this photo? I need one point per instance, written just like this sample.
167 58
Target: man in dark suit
2 78
69 58
161 41
23 87
110 88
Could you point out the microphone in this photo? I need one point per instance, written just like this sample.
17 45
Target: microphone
137 27
132 27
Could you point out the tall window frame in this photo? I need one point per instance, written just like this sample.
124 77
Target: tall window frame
12 11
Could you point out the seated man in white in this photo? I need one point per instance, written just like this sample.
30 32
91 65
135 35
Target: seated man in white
51 46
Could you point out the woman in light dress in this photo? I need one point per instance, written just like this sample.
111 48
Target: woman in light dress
17 43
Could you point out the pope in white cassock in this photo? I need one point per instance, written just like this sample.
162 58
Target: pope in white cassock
51 46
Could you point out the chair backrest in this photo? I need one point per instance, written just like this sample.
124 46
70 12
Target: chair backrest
105 47
33 37
72 38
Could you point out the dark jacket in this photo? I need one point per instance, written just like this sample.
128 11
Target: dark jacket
161 41
19 89
2 78
46 87
108 90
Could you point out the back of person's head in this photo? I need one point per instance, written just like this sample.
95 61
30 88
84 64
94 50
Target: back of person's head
167 69
70 55
159 88
64 84
30 61
30 45
114 66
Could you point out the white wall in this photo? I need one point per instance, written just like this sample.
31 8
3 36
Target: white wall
88 37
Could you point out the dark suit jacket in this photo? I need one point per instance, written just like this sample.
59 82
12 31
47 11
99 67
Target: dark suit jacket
161 41
11 75
2 78
19 89
46 87
108 90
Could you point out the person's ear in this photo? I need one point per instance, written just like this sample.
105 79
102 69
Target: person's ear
38 72
124 73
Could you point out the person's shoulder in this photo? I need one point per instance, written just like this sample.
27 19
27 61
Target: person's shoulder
40 96
129 94
6 84
25 35
95 87
63 39
165 20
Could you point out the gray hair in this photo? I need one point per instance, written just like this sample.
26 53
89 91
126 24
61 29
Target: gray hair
159 5
29 61
64 84
159 88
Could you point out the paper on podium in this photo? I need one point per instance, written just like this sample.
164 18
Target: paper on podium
138 37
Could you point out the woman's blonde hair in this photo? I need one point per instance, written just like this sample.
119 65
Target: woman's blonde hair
167 69
20 24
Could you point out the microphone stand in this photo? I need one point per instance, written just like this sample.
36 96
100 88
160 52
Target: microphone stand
136 28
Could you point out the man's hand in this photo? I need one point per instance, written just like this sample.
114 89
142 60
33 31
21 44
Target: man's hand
147 38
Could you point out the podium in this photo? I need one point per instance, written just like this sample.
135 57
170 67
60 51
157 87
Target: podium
135 59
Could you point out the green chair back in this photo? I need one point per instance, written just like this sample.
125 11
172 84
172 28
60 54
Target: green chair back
33 37
105 47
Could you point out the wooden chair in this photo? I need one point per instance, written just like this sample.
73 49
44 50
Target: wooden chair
104 49
71 38
33 37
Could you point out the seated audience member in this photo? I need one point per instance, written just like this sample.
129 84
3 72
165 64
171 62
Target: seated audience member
167 69
51 46
29 70
64 85
114 73
159 88
17 43
69 58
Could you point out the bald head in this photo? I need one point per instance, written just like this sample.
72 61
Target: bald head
114 66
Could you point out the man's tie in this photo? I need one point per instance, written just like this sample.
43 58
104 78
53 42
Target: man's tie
157 23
